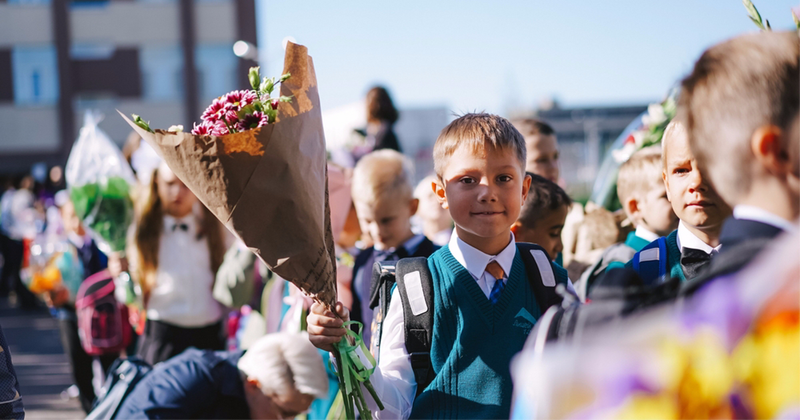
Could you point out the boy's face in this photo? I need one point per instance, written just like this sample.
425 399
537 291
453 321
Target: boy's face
388 220
70 220
484 191
693 199
655 211
542 158
546 233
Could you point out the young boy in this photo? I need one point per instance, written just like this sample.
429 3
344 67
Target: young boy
382 195
436 222
542 216
641 191
743 104
541 146
700 210
484 306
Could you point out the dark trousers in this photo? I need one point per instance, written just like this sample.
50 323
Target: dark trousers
162 341
13 251
81 362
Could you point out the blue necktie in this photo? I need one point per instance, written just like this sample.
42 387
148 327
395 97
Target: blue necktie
496 271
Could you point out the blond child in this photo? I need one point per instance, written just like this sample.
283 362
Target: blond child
383 199
542 217
541 147
436 222
688 249
484 304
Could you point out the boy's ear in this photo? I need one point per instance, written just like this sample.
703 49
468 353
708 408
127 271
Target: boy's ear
769 152
438 189
515 228
414 205
631 206
252 383
666 183
526 187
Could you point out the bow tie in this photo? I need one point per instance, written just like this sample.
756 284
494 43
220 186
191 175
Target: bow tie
182 226
693 261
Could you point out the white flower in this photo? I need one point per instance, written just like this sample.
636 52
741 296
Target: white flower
175 129
622 155
638 138
655 115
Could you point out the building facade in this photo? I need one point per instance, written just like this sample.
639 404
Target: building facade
162 59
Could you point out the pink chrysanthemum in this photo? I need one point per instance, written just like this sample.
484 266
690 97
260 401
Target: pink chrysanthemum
251 121
240 98
213 111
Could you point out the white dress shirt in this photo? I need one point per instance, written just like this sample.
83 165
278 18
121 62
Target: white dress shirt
393 378
688 239
645 234
182 294
744 212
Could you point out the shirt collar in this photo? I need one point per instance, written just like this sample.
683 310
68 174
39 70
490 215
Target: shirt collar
411 245
645 234
689 240
745 212
188 220
476 261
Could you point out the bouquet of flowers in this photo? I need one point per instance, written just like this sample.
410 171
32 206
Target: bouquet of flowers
731 350
259 164
52 263
100 181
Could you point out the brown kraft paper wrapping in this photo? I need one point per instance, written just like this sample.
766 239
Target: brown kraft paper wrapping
268 185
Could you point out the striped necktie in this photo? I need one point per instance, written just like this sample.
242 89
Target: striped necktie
496 271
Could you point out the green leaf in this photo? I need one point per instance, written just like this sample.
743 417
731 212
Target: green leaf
254 77
769 28
247 109
286 98
268 85
796 20
753 13
145 125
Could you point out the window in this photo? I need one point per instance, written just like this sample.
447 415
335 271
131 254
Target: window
216 69
162 73
35 75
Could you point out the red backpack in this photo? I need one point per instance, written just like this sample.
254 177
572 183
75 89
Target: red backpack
103 324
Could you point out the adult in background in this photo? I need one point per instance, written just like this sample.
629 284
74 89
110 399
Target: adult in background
277 378
381 116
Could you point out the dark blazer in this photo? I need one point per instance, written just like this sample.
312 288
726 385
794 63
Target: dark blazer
742 241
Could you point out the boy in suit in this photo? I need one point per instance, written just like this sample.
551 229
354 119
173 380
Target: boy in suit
483 301
742 102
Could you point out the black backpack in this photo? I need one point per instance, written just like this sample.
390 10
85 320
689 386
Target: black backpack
122 377
415 287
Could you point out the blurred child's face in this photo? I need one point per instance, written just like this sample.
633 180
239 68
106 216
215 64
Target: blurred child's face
655 211
70 219
546 233
388 220
484 191
693 199
542 153
176 198
431 211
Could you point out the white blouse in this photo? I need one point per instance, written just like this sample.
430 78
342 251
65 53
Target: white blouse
183 291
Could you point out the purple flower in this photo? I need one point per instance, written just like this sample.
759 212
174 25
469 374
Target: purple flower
254 120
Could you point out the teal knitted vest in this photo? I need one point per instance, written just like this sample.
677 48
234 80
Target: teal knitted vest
674 268
474 341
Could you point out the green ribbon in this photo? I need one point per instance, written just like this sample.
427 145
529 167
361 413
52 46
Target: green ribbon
353 371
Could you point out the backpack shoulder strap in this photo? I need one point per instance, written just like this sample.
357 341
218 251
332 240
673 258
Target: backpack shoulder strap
543 275
415 287
651 262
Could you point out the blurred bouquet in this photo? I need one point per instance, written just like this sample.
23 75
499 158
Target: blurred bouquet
100 184
731 350
259 164
52 263
654 122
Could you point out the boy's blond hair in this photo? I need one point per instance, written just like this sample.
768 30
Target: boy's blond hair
640 173
475 131
736 87
380 174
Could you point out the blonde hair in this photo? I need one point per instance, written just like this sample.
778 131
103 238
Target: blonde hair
736 87
147 237
476 131
380 174
640 173
282 361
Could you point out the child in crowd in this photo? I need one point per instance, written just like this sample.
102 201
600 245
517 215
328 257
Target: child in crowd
484 306
742 102
641 190
178 245
436 222
701 212
541 146
542 216
383 198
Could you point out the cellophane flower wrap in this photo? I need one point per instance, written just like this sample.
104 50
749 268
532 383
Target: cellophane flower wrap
730 350
100 182
260 167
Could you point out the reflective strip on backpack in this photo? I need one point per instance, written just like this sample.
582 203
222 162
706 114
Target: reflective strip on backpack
416 297
545 267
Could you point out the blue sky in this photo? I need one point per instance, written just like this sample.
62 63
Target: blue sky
481 55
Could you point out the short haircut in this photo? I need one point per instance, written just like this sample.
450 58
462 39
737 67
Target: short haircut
639 173
533 127
736 87
282 361
544 197
380 174
476 131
